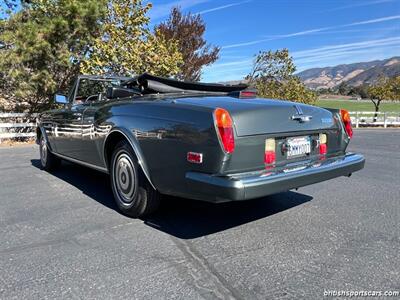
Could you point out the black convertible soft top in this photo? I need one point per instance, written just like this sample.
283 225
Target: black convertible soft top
149 84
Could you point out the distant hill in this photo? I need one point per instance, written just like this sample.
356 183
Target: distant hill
352 74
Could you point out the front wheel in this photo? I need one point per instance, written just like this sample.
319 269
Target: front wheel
133 194
47 159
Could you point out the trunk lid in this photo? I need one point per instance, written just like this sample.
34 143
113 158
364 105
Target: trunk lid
267 116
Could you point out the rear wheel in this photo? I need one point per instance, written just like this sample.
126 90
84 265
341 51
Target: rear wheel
47 159
133 194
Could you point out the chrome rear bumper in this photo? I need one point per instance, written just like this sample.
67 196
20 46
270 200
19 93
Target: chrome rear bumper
246 186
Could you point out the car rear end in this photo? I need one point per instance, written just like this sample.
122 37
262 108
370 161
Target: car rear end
271 146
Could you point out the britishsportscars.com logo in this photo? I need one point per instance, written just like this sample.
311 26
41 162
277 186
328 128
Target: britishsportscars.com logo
350 294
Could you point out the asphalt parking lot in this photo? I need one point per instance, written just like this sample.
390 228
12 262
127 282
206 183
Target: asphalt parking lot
61 236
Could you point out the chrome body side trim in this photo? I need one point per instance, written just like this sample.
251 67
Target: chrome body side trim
85 164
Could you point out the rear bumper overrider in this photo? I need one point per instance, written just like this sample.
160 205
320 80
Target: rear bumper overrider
246 186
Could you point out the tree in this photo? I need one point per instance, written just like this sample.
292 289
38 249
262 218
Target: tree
47 41
343 89
395 87
324 91
7 7
189 31
126 45
273 76
384 89
361 91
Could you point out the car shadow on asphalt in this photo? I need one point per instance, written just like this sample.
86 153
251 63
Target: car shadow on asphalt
94 184
183 218
188 219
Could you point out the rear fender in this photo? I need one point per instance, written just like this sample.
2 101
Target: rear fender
344 137
135 147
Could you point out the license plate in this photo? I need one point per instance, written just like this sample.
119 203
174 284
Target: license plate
298 146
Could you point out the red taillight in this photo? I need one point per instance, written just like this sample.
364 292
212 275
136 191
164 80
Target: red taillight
269 157
323 145
344 114
323 149
224 124
269 153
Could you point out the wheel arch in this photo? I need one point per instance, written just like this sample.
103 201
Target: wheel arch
113 138
40 131
38 134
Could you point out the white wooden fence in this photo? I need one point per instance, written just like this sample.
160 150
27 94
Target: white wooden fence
20 125
17 125
366 119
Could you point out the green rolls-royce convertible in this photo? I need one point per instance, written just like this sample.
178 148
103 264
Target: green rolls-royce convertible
208 142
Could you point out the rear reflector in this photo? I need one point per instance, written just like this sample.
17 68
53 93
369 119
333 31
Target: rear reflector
269 154
194 157
344 114
224 125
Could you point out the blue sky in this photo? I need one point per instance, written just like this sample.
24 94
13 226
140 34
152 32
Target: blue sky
317 32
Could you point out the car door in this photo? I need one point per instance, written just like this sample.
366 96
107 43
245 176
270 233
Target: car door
69 129
77 134
92 136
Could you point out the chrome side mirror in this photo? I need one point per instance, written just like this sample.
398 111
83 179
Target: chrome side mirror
61 99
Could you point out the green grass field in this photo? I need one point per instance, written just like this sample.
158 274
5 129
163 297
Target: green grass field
358 106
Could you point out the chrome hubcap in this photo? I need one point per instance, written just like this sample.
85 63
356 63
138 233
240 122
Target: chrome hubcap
43 151
124 178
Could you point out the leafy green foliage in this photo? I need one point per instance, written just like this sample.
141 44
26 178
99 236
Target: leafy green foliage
47 41
126 46
361 91
273 76
7 7
277 65
343 89
188 30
